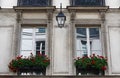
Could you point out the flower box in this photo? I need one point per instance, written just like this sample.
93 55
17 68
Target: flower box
31 70
93 65
90 71
33 64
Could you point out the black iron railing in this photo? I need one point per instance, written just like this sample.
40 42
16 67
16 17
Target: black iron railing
87 2
34 2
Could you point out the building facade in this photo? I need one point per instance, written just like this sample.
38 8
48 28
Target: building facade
91 27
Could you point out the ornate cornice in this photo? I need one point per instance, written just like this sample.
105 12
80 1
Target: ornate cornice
87 9
33 9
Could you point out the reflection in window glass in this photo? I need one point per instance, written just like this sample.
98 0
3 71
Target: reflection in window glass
40 30
33 41
88 41
95 44
81 43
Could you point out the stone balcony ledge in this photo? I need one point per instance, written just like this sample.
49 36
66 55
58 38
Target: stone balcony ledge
33 76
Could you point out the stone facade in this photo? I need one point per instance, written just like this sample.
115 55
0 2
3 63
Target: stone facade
60 41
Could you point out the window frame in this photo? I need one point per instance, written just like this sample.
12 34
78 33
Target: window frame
34 27
88 27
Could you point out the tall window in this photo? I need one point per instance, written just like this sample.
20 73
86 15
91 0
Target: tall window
88 41
34 2
87 2
33 40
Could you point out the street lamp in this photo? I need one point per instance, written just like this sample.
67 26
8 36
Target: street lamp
61 18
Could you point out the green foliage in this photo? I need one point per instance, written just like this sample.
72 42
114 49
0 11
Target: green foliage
42 61
39 60
93 62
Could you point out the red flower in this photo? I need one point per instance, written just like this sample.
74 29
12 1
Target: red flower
45 61
101 57
103 68
19 57
39 54
33 60
93 62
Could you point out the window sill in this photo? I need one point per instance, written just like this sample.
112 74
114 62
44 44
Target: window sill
88 9
23 8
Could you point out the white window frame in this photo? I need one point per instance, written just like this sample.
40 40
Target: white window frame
34 41
88 41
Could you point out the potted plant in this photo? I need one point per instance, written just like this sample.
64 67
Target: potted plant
93 64
36 64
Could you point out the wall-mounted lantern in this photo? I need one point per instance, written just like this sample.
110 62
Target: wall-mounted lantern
61 18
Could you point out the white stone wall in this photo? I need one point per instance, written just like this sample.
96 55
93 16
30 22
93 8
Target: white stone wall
61 56
113 40
5 47
7 25
114 33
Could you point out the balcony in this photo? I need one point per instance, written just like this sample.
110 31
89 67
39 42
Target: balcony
87 3
32 3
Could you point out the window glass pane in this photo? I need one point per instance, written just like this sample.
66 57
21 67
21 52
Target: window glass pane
34 2
33 41
26 45
95 44
88 41
81 42
40 30
26 41
40 40
94 33
27 33
40 47
89 2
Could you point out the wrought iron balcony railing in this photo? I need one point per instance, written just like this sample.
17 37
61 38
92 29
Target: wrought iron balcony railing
87 2
34 2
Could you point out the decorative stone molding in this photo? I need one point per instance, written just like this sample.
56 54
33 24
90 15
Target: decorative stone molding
50 15
87 9
33 9
88 22
100 9
73 15
19 16
20 10
102 14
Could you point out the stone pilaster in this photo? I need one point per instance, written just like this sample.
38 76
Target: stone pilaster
50 36
17 31
72 36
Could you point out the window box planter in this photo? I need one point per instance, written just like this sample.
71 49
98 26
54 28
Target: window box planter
31 70
89 71
33 64
93 65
